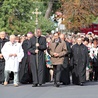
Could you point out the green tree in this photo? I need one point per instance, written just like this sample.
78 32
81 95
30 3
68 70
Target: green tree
16 16
96 20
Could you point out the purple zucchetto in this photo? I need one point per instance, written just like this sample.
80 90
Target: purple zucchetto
29 33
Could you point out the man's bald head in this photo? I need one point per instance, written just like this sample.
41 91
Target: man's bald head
79 40
12 38
2 35
62 36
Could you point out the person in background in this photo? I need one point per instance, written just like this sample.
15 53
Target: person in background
3 40
94 59
25 68
48 60
17 39
65 75
88 68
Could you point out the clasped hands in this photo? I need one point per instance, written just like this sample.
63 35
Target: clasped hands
55 54
10 55
37 45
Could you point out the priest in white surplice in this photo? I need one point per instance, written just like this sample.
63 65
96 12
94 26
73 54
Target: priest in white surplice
13 54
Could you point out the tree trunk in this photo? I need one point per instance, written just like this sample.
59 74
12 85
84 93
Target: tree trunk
49 9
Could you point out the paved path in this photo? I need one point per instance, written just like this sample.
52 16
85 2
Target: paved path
90 90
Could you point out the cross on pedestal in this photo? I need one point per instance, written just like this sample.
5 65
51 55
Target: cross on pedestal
36 13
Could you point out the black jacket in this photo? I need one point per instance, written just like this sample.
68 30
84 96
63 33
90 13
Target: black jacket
2 42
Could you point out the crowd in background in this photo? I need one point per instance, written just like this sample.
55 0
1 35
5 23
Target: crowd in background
78 57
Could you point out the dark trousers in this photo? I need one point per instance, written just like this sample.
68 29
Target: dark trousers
34 71
2 66
95 69
91 75
94 73
57 73
37 74
65 76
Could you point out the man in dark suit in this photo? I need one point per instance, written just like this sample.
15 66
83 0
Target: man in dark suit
3 40
25 71
65 75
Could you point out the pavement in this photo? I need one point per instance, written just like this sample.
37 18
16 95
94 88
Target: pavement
90 90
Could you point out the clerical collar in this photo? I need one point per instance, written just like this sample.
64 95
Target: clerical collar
37 36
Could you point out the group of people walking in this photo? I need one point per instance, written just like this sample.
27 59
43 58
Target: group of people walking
37 59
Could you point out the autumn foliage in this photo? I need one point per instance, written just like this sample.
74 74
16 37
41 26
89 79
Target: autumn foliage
79 13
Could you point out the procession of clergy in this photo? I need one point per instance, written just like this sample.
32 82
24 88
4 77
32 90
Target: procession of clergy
37 59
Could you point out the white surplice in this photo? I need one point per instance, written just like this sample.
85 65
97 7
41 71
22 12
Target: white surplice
12 63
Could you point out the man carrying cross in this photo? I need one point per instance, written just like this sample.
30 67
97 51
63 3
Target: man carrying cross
37 67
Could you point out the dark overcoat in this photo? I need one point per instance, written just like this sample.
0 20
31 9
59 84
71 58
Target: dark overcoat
65 75
24 73
2 61
38 70
79 61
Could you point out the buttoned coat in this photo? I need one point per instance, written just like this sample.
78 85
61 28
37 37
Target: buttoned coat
59 48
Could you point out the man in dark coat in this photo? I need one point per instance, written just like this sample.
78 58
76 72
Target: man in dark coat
37 45
3 40
25 72
79 61
65 75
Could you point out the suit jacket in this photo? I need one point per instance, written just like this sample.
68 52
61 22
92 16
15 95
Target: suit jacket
61 49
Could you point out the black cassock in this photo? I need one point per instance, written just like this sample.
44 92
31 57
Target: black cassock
2 61
24 72
65 76
38 72
79 61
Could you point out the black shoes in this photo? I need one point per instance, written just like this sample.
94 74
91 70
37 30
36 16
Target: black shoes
81 84
95 80
57 84
34 85
2 83
40 84
65 83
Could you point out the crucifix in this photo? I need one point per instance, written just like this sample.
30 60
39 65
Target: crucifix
36 13
36 23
